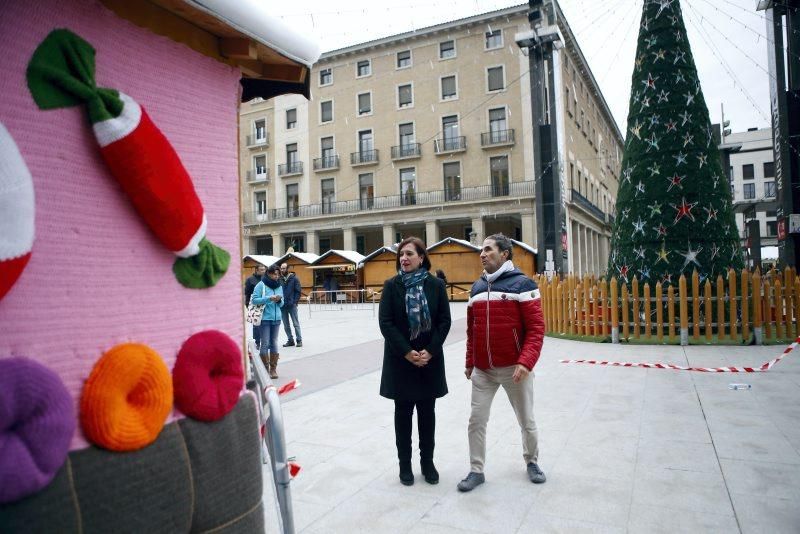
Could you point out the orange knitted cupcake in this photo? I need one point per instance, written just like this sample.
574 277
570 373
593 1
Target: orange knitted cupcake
127 398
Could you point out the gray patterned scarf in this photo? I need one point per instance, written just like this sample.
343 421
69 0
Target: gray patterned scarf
419 316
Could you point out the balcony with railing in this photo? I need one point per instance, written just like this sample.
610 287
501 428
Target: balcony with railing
258 140
421 198
260 176
448 145
326 163
587 206
364 157
290 169
409 151
497 138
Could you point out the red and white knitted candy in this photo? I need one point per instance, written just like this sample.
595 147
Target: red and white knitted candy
16 212
766 366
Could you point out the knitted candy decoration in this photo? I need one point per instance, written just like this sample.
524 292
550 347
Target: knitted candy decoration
126 398
146 166
16 212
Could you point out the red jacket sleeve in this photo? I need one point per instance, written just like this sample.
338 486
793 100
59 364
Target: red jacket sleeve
533 319
470 362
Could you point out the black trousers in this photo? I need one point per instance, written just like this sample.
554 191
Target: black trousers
426 426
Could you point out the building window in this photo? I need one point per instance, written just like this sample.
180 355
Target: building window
326 111
328 156
291 119
406 135
772 213
567 101
291 155
408 186
497 125
769 189
404 59
264 246
405 96
495 78
366 191
572 183
452 180
447 49
326 76
772 228
324 245
261 202
448 87
363 68
498 167
296 242
328 195
260 166
494 39
365 142
260 127
292 200
450 132
769 169
748 171
364 103
749 191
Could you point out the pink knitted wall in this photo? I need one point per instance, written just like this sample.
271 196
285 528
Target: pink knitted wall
97 276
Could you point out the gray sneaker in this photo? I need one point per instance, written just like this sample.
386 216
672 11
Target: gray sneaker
535 474
472 481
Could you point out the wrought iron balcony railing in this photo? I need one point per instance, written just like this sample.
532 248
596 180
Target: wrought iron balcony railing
288 169
420 198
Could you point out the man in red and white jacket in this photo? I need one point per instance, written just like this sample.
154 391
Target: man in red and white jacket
505 329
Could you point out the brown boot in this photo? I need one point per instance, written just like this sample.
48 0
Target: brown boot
264 360
273 364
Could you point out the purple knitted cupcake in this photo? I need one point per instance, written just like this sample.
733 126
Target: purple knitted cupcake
37 421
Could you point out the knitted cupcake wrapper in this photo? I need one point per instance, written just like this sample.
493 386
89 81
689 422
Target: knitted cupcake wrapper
37 422
126 398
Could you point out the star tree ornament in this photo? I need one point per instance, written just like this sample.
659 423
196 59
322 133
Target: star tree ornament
671 200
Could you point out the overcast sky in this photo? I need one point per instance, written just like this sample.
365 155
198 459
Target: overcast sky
728 39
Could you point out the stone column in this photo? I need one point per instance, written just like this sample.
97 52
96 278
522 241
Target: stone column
479 229
431 232
312 242
349 238
388 235
528 234
278 248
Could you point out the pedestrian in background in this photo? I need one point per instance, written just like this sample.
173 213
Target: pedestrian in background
249 286
414 318
291 296
270 293
505 329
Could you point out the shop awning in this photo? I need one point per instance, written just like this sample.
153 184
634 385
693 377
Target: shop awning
331 266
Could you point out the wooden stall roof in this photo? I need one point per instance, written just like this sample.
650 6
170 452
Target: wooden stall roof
460 261
525 257
453 240
339 256
378 266
304 258
261 259
273 58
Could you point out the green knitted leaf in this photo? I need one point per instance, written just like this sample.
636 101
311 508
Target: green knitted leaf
61 74
203 270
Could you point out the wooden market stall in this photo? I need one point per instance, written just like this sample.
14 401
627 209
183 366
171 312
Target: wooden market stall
337 269
524 257
299 263
460 262
377 267
252 261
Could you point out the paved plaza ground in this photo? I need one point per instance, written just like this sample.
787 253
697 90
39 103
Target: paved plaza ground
624 449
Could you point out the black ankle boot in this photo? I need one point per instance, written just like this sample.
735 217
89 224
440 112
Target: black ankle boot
406 475
429 472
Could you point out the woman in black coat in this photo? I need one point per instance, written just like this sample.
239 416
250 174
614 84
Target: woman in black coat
414 318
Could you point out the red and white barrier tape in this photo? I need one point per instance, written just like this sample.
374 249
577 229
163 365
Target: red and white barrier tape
766 366
286 388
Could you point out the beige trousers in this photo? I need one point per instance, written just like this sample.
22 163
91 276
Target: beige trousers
520 395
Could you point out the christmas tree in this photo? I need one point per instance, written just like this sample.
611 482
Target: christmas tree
673 211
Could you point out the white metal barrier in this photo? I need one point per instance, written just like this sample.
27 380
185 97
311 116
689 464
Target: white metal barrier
342 299
273 446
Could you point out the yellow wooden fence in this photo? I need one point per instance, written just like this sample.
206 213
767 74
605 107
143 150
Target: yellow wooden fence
746 304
